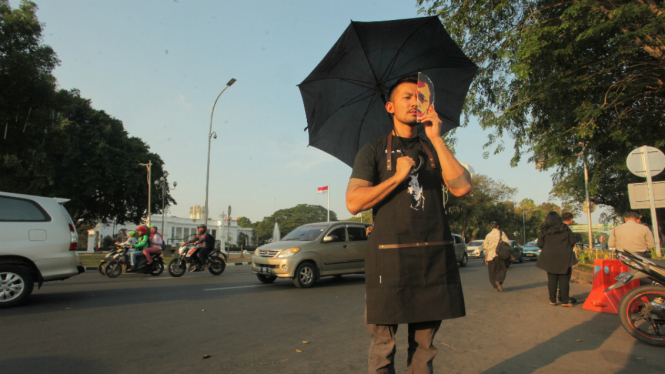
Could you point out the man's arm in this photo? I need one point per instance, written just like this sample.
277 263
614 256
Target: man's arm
649 237
455 176
362 195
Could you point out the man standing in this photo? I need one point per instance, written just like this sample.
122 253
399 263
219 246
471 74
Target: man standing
411 273
632 236
495 265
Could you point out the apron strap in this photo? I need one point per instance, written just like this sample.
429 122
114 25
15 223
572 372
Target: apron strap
389 152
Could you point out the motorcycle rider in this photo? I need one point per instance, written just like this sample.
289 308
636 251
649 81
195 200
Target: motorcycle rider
131 239
205 244
156 243
143 242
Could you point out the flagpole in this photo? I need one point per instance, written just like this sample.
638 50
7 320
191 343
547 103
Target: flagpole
328 201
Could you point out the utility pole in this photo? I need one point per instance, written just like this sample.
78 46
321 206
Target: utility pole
149 167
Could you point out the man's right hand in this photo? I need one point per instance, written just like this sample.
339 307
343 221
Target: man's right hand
403 168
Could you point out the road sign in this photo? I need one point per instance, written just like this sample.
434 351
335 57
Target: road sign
636 164
639 195
646 162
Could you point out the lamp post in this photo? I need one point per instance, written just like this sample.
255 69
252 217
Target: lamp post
524 212
149 167
163 184
210 136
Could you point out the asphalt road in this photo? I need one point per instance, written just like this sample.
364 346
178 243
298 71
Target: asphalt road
138 324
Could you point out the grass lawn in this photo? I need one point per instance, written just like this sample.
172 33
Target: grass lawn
94 259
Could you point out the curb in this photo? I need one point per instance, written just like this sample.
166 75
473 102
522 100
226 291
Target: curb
581 277
227 264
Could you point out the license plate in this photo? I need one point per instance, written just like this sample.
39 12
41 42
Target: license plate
529 255
264 270
624 277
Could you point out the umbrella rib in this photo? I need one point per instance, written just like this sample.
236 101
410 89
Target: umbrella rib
392 62
371 65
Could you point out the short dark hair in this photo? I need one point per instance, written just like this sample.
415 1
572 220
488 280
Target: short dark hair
566 216
494 224
632 215
407 79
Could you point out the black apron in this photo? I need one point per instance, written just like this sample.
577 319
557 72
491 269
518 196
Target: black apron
411 272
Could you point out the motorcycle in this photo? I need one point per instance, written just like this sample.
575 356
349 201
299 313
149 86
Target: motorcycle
114 265
187 260
642 310
110 256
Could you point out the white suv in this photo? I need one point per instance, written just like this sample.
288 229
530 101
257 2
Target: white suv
38 243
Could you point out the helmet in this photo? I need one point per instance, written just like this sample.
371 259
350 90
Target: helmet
153 226
141 228
131 233
202 225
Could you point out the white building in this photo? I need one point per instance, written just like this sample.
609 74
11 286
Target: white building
197 212
176 229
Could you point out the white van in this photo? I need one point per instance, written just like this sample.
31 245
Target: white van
38 243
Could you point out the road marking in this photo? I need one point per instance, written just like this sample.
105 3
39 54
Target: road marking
233 288
228 275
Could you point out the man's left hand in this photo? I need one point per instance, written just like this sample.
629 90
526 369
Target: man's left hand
432 123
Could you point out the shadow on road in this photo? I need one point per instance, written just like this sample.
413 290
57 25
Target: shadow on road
46 364
133 295
551 350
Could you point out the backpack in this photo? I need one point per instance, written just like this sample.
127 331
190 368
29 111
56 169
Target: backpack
503 249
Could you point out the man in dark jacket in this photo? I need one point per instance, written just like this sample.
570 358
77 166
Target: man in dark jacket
205 243
411 273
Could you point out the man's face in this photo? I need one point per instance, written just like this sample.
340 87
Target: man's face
424 99
201 230
403 104
569 222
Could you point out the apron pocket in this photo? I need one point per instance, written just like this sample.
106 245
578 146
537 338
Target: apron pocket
401 267
435 263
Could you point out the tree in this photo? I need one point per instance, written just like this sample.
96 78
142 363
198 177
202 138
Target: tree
245 222
366 217
242 239
470 215
290 219
566 80
57 144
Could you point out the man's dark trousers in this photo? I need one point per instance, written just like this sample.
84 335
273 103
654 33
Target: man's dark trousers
421 351
497 270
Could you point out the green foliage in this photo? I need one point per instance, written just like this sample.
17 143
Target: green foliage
564 79
53 143
366 217
107 242
242 239
290 219
246 222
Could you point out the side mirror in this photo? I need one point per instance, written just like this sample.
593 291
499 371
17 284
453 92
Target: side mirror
328 238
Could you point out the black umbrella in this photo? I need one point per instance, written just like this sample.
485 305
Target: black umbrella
345 95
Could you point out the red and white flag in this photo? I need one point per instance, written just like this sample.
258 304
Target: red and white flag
323 189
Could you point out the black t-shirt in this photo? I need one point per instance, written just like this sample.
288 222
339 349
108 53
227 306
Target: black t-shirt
368 159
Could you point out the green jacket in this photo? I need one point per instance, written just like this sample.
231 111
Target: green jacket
142 244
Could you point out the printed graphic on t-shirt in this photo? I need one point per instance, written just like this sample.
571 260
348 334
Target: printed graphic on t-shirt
416 191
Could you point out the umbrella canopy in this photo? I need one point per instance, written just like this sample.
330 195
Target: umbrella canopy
345 95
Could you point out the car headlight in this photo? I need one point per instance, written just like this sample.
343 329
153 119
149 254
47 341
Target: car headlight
288 252
257 252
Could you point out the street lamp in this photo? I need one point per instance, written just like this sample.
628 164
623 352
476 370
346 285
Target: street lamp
163 184
149 167
210 136
524 212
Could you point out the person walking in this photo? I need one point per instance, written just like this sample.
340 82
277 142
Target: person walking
495 265
632 236
411 274
556 257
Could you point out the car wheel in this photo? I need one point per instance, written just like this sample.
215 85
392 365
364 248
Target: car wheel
267 279
16 285
305 275
465 260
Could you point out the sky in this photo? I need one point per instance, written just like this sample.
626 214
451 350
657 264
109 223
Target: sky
158 65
